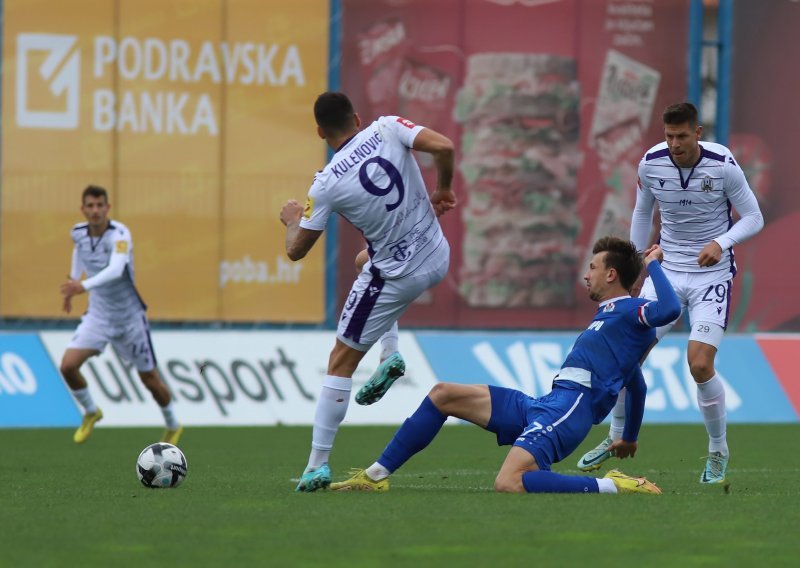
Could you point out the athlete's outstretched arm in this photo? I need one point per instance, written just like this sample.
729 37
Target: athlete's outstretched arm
746 205
636 390
298 240
667 308
634 405
744 201
114 270
443 152
642 218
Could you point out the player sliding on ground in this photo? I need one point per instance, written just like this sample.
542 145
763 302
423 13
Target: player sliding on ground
546 430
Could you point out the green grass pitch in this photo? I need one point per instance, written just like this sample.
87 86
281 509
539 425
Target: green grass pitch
68 505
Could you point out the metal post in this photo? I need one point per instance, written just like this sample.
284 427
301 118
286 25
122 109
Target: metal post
332 232
725 42
695 51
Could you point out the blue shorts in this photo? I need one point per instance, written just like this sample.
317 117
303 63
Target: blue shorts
550 427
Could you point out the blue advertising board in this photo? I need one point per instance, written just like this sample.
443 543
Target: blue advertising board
32 392
529 361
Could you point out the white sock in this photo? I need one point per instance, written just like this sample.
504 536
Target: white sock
85 400
618 417
376 472
711 399
331 410
169 416
606 485
389 342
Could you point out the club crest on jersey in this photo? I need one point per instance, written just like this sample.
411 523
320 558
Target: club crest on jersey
609 307
405 122
708 184
309 208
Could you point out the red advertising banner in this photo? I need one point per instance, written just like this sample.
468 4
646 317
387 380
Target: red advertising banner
763 129
551 104
781 352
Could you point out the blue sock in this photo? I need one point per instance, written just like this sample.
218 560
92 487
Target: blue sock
413 436
551 482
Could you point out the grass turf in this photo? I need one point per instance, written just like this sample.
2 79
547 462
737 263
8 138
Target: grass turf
68 505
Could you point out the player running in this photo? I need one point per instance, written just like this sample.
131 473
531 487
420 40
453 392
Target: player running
374 182
103 249
546 430
695 186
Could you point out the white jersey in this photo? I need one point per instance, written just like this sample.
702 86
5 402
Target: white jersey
108 263
695 206
374 182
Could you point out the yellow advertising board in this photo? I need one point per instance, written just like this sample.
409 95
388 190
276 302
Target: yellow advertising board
196 116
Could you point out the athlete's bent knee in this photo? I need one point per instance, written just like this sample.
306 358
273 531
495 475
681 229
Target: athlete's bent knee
149 378
701 370
509 483
68 369
441 394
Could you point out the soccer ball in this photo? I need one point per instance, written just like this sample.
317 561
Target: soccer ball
161 465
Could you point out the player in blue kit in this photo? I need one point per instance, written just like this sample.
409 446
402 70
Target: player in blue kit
545 430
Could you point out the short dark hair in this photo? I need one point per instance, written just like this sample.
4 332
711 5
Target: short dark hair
622 256
680 113
94 191
334 112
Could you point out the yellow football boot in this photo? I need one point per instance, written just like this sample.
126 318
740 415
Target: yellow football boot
628 484
360 481
87 425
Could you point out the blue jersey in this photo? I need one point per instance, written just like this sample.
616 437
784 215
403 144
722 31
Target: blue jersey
606 356
610 349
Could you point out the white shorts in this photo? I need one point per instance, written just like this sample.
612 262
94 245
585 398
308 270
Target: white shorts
374 304
706 297
131 341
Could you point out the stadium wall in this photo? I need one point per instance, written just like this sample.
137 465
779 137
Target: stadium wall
273 377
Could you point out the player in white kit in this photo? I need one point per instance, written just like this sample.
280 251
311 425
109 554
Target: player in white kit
695 185
103 250
374 182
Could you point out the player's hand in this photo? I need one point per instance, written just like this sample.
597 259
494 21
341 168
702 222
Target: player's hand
72 288
710 255
623 449
291 212
443 200
655 252
67 306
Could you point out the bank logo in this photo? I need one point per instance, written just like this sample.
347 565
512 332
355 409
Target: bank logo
48 90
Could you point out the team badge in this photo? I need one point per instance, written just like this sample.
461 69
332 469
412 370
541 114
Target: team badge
121 247
708 184
609 307
405 122
309 208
